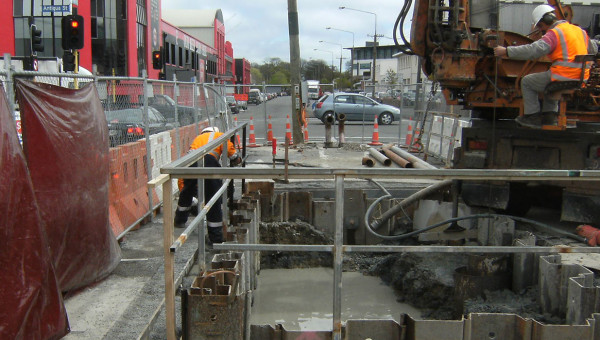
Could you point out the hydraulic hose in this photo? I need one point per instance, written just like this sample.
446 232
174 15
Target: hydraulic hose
515 218
398 207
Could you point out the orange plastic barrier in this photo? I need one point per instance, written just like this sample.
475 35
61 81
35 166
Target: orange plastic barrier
128 190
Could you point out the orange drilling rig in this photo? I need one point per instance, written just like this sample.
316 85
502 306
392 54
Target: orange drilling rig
456 51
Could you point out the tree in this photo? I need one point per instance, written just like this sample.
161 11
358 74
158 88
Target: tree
257 76
279 78
391 77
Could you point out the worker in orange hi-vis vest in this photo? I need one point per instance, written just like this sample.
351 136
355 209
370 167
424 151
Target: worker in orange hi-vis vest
561 42
214 217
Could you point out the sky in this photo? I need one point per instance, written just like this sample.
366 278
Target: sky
258 29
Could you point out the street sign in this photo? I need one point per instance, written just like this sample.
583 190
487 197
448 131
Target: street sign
56 8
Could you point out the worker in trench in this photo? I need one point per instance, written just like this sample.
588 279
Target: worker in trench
561 42
189 187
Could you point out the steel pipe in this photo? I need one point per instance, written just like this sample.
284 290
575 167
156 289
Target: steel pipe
380 157
408 249
417 162
368 161
396 158
341 123
329 120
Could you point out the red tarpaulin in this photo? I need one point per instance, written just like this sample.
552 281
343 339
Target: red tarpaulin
31 304
65 139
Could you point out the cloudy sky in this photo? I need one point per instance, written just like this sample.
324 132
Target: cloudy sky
258 29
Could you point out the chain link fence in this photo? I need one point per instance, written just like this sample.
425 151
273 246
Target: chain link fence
150 124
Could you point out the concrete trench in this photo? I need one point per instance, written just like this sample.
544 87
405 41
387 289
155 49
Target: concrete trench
459 296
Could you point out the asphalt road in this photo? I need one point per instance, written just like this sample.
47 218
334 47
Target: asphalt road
355 132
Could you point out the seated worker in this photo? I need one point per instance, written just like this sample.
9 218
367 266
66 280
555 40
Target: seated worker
214 217
562 41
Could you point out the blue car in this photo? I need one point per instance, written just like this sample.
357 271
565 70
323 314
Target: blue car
356 107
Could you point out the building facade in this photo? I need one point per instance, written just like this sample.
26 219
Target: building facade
120 36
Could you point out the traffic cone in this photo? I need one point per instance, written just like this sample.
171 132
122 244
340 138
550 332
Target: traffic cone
409 134
416 144
252 137
375 140
288 131
305 131
269 132
238 142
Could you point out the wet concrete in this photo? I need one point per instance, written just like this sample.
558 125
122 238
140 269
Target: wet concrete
302 299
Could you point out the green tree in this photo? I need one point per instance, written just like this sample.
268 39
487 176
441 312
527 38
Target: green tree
257 76
391 77
279 78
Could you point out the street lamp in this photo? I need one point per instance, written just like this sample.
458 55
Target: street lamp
374 43
341 48
351 53
316 49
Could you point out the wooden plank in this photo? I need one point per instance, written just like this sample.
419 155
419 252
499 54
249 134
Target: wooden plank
158 180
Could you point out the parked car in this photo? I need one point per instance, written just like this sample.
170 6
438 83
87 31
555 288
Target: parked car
166 106
242 104
127 125
232 104
254 97
356 107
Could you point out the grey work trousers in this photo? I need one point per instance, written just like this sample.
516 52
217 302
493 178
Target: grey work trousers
531 86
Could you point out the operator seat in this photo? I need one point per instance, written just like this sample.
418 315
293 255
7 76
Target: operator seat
563 91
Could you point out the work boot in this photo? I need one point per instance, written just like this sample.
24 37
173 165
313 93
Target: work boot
533 121
215 235
550 118
180 218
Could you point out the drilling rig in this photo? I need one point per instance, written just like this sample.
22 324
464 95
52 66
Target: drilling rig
455 40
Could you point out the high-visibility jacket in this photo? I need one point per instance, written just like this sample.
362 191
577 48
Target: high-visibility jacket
206 138
572 41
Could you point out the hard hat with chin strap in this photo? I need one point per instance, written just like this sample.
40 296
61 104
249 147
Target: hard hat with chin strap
539 12
210 129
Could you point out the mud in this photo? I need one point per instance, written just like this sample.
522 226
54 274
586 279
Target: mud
425 281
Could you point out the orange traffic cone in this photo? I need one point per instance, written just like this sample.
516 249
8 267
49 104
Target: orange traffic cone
416 144
305 131
269 132
252 137
288 131
238 142
375 140
409 134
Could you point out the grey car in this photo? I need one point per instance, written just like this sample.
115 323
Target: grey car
356 107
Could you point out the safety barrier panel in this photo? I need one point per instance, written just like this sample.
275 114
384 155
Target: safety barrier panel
442 133
128 192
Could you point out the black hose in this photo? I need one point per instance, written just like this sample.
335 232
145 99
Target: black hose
515 218
398 207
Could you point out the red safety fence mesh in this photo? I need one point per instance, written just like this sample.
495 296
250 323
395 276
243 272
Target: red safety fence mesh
32 306
65 140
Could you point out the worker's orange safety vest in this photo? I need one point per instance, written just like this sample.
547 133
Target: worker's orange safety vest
204 139
572 41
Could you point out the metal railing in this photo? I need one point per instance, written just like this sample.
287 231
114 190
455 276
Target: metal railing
339 176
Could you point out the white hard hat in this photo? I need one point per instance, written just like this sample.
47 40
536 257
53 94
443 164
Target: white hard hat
210 129
539 12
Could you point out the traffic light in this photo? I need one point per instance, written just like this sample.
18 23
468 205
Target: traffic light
72 32
157 60
68 61
36 40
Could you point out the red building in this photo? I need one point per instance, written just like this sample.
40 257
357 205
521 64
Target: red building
242 75
119 38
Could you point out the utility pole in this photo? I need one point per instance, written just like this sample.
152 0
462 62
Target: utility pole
294 32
